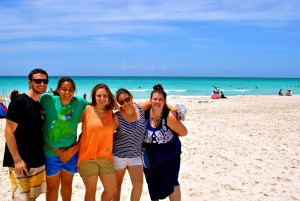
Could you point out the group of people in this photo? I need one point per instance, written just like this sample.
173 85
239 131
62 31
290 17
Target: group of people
217 93
43 153
287 93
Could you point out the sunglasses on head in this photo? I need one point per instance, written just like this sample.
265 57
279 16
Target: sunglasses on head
125 100
39 81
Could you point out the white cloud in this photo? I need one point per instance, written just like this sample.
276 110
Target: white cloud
94 18
96 10
78 12
126 66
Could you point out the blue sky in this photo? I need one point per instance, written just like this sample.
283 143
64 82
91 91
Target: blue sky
227 38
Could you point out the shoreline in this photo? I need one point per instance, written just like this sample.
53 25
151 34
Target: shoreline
193 87
242 147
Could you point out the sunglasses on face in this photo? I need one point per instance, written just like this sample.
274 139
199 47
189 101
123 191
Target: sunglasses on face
125 100
39 81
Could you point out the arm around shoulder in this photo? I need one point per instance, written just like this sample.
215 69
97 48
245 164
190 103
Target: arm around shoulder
115 121
176 125
144 105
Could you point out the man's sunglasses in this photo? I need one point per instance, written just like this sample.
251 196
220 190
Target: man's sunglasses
125 100
39 81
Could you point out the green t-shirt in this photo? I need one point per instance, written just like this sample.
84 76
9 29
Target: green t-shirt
61 121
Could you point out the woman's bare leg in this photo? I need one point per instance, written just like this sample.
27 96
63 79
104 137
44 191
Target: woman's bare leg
53 183
176 195
66 185
109 182
119 175
90 187
136 176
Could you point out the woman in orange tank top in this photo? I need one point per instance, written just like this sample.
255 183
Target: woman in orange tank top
95 157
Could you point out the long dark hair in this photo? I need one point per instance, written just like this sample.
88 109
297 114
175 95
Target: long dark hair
111 102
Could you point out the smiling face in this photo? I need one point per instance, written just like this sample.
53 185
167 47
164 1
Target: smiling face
40 87
66 92
125 101
157 101
101 97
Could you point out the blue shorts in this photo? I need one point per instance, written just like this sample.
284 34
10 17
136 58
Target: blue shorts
54 165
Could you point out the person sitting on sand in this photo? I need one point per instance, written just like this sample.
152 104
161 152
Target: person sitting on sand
222 95
280 92
288 92
217 90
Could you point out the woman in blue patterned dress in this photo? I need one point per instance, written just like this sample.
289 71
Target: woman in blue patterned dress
163 148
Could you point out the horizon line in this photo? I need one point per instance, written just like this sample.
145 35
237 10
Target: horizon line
156 76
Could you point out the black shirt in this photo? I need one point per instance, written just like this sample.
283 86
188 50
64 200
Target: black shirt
29 116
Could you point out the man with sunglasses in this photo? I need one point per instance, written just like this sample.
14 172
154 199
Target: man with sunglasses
24 154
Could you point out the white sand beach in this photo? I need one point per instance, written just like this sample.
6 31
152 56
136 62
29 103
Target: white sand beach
240 148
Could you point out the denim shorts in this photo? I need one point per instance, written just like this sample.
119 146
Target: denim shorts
54 165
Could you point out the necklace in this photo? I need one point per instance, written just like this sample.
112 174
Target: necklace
156 120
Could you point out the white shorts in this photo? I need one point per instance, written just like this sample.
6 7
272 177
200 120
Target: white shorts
121 163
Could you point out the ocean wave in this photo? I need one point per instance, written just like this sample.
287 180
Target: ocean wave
138 90
175 90
242 90
169 90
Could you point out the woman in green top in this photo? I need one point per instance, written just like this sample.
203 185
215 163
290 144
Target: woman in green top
62 113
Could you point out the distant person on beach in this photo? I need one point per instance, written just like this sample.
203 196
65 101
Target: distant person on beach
63 111
280 92
24 154
13 94
163 147
95 158
84 95
288 92
217 90
222 95
50 91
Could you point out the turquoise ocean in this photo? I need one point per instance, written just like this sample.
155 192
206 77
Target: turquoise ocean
141 87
